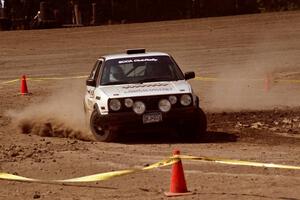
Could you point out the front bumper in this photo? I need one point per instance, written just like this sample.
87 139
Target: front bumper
130 120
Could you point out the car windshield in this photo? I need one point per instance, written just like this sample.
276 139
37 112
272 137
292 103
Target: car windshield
140 70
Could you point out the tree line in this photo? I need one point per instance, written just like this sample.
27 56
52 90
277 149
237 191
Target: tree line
23 14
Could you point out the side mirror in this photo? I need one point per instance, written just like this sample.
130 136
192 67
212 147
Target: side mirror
189 75
91 82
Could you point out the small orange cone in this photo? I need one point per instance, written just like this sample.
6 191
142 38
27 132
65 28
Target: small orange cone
178 185
268 82
23 88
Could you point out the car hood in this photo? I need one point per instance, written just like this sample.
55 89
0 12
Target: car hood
146 89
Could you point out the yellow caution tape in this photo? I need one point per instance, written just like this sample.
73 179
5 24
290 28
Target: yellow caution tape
109 175
202 78
12 177
166 162
199 78
57 78
92 178
96 177
8 82
43 79
237 162
212 79
163 163
289 81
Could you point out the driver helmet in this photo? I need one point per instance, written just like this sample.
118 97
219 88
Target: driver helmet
117 73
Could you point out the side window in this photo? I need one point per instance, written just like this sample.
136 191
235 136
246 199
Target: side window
93 73
96 70
97 75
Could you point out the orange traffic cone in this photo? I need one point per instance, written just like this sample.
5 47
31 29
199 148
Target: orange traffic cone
268 82
23 88
178 185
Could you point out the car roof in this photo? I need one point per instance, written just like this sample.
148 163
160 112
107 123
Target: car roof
124 55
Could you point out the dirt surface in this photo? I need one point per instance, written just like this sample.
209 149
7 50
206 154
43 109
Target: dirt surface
248 70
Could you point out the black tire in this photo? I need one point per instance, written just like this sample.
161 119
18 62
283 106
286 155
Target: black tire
195 129
202 120
101 133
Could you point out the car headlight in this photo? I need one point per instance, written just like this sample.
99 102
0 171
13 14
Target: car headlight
128 103
164 105
139 107
185 100
115 104
173 99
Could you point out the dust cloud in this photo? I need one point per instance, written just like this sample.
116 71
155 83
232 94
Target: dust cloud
261 84
59 115
258 80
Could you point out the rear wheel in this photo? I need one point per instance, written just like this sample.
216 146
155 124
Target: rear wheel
101 132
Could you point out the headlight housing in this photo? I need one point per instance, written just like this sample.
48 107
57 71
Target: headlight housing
128 102
173 99
139 107
185 100
115 104
164 105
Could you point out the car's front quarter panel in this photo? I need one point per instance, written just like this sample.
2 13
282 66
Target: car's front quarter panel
89 99
101 100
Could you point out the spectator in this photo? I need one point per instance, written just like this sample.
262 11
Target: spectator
38 17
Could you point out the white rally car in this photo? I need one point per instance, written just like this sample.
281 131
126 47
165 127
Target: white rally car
141 90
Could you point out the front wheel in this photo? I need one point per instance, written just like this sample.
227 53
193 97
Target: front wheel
201 121
196 128
101 132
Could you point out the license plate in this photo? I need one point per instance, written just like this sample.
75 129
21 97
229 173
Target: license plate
152 118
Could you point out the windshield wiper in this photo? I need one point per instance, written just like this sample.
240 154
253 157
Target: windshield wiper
116 83
152 80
